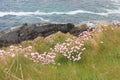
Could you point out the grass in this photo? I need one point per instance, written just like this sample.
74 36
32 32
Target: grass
100 60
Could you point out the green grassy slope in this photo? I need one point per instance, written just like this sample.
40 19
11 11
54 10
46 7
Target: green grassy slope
100 60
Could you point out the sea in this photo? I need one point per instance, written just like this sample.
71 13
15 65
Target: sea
14 13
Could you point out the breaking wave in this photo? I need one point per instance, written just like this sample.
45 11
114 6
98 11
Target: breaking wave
116 1
44 20
2 14
115 11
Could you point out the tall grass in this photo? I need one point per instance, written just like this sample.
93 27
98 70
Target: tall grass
100 60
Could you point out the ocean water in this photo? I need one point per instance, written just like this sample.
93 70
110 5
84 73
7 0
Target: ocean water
13 13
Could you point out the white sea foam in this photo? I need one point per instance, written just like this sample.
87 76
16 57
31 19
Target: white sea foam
41 13
42 19
46 13
113 11
116 1
59 13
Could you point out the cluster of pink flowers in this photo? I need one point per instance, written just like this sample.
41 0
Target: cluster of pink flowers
13 50
73 48
10 52
45 58
2 53
70 49
28 49
86 35
28 52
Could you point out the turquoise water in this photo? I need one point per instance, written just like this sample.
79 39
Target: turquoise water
14 13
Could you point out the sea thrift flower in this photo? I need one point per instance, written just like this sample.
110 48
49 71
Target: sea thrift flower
2 52
28 49
73 48
45 58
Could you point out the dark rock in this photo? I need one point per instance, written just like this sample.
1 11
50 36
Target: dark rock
31 31
79 29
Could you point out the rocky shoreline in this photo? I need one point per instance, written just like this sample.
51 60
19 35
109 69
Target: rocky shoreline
31 31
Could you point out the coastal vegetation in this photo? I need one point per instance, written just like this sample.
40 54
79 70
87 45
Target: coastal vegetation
92 55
